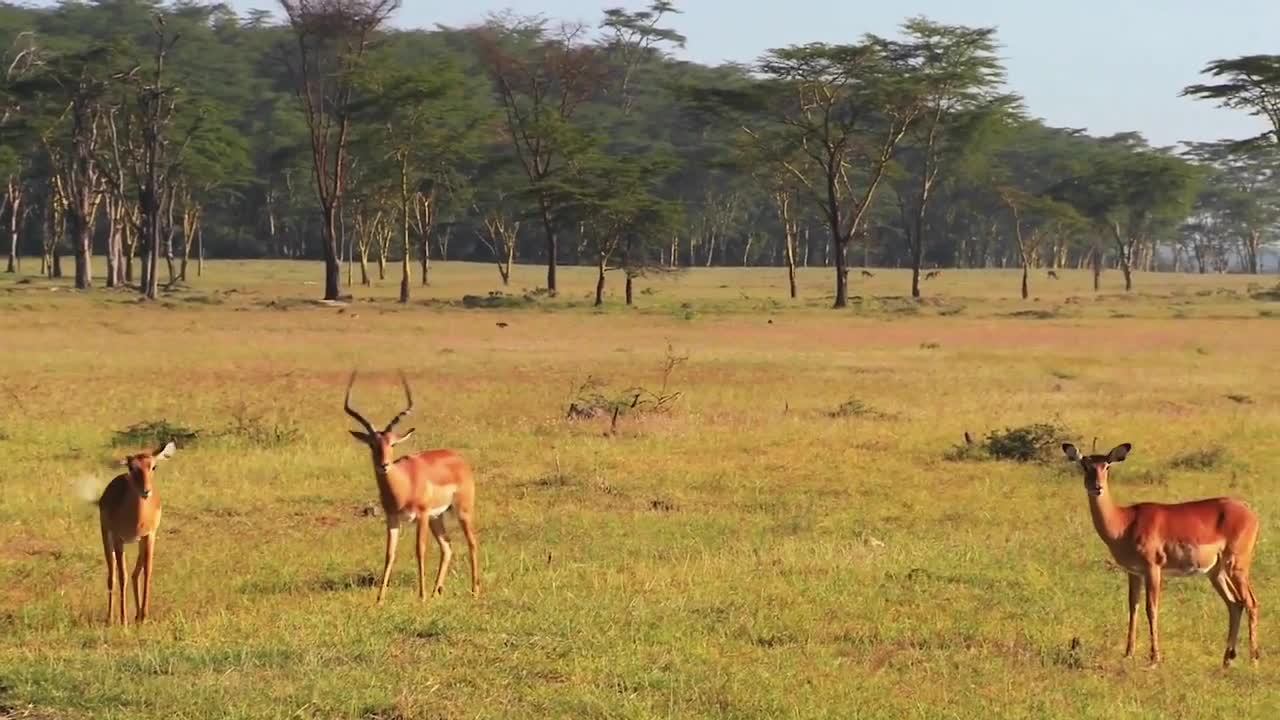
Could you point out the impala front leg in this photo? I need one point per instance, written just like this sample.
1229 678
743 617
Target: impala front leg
146 559
1153 611
393 537
1135 594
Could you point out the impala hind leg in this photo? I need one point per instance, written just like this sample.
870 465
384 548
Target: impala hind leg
108 552
464 510
446 552
1230 594
393 538
421 548
1244 584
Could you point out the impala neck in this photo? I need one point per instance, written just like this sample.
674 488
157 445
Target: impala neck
1109 519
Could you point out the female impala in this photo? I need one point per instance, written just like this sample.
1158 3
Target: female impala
419 487
1214 536
129 511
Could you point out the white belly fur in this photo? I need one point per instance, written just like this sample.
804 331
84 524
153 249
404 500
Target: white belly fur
410 516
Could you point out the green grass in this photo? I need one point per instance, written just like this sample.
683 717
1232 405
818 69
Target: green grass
755 552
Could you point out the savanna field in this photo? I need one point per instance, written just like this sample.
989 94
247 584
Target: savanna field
796 534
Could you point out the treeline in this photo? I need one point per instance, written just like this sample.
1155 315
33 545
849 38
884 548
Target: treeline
154 132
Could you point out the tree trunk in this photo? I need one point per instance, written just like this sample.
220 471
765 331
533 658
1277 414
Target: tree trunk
842 273
82 231
332 254
630 294
1097 269
600 281
15 216
552 245
791 261
405 224
1024 278
200 250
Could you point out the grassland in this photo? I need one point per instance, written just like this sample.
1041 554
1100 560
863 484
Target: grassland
745 555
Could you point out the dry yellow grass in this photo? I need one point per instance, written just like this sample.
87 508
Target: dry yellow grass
745 555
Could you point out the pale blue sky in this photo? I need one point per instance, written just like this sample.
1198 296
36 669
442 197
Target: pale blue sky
1104 65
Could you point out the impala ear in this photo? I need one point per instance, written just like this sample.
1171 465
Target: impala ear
1119 453
359 436
1072 453
164 453
405 436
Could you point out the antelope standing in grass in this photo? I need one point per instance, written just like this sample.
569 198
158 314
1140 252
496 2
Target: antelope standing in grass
1213 537
129 511
419 487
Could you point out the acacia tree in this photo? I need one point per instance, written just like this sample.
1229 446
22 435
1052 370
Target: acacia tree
613 200
68 98
1130 193
542 81
1250 83
496 202
18 62
959 76
424 124
333 37
845 108
1241 195
150 110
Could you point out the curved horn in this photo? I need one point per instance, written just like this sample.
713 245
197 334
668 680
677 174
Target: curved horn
346 405
403 413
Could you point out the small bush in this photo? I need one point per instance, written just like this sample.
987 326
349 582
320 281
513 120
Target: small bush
854 407
154 433
1203 459
1030 443
259 432
1038 442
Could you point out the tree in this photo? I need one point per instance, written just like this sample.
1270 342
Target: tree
1250 83
67 94
1241 195
612 198
958 75
846 108
333 37
149 113
633 36
1131 193
18 63
542 82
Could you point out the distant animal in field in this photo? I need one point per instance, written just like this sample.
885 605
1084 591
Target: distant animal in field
932 274
500 324
129 512
1053 275
1213 537
868 273
422 487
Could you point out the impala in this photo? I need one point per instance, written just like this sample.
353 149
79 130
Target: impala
1213 537
129 511
419 487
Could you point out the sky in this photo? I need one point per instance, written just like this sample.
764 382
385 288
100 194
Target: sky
1103 65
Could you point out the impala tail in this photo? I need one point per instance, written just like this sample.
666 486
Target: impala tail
88 488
